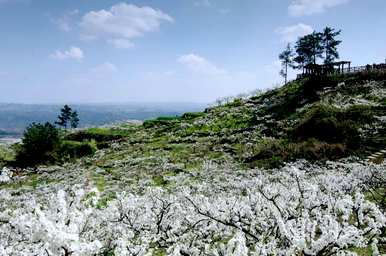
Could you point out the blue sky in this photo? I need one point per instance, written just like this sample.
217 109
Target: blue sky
71 51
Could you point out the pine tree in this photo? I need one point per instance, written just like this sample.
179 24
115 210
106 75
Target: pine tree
74 120
308 49
64 117
330 44
286 58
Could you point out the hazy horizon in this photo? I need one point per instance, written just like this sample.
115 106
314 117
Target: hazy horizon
14 118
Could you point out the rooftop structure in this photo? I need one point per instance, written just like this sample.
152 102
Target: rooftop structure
340 67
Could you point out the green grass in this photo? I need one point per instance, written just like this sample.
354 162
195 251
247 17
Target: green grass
31 181
73 149
100 134
104 201
7 154
161 121
99 181
159 181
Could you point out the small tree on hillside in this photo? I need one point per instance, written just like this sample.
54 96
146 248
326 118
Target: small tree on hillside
330 44
67 118
64 117
74 119
286 58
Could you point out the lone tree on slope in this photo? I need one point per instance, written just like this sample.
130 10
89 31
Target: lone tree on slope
286 58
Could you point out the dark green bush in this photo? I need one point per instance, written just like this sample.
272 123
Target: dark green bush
360 113
38 144
327 124
192 115
274 153
74 149
97 134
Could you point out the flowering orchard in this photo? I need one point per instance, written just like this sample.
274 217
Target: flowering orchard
302 209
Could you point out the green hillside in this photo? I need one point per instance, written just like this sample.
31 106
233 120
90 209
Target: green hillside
313 119
212 173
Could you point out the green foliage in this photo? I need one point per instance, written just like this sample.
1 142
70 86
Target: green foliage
287 61
192 115
74 119
43 144
38 144
104 201
100 135
74 149
64 117
308 49
284 101
361 114
159 181
161 121
7 154
272 153
67 117
330 44
332 125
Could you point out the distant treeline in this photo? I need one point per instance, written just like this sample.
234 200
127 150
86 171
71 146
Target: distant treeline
14 118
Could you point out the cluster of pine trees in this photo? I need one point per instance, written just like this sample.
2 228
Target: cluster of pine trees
309 49
68 117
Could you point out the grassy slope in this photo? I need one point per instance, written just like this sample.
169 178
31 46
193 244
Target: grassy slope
244 133
243 130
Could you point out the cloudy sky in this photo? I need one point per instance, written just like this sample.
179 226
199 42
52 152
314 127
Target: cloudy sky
166 50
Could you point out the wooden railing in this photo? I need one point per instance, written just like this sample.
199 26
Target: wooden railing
352 70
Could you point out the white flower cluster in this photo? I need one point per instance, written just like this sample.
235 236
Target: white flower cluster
299 210
5 175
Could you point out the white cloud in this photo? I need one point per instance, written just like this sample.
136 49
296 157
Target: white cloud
122 23
65 22
291 33
200 65
72 53
309 7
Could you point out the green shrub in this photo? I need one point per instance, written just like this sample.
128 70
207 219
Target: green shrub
316 150
360 113
272 153
75 149
192 115
100 135
7 154
160 121
38 144
168 118
327 124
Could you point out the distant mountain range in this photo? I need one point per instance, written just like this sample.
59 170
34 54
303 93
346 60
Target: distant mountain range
14 118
